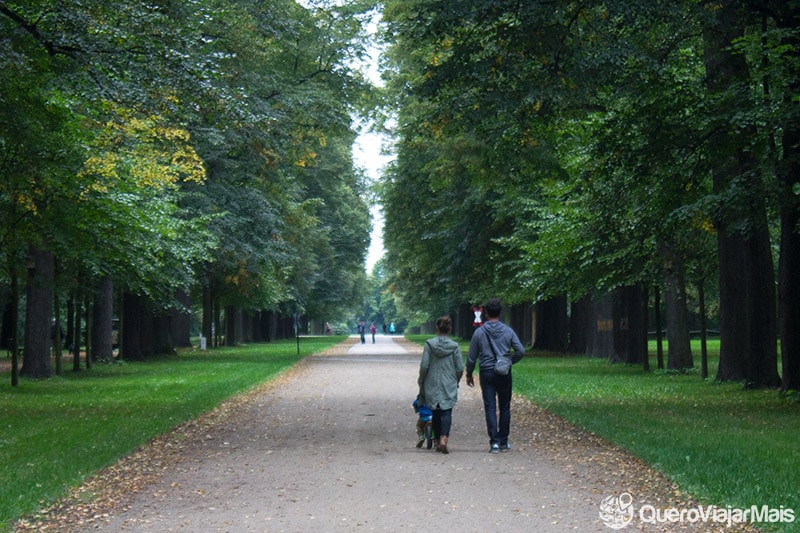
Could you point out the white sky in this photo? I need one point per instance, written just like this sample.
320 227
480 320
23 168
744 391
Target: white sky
367 153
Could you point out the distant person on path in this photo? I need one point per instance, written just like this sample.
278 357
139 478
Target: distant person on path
391 328
362 329
440 371
328 328
494 339
373 329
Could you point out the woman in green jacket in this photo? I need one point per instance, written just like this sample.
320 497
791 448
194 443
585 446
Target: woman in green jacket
440 371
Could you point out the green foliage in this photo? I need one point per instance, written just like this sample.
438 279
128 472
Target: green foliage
296 225
564 151
168 145
57 432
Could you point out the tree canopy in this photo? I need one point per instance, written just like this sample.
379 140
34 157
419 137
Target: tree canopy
575 149
172 146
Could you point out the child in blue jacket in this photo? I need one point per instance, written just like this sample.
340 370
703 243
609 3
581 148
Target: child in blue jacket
424 422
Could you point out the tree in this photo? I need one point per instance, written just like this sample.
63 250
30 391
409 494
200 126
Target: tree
781 77
594 128
748 351
69 201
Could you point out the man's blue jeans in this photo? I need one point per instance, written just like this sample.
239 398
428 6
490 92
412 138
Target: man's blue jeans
496 391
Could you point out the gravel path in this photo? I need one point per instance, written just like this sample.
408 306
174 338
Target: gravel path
330 446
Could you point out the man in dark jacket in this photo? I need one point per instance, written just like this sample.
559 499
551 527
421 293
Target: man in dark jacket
494 339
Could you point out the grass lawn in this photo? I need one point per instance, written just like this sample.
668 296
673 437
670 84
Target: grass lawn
55 432
720 443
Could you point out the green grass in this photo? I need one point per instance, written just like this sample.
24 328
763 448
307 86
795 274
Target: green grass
55 432
720 443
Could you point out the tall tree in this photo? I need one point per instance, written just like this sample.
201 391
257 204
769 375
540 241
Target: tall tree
748 329
782 67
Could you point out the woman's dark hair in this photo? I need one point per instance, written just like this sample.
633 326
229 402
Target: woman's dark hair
444 325
494 307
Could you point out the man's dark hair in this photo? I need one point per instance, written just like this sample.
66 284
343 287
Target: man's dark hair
494 307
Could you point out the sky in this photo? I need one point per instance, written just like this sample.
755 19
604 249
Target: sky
368 154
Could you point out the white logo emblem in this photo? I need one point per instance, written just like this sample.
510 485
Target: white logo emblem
617 511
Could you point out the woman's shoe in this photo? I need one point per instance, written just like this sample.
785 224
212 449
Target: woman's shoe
442 447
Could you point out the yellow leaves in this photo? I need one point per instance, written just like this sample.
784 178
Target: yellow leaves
104 166
708 226
26 203
306 159
243 279
527 139
304 141
144 151
188 159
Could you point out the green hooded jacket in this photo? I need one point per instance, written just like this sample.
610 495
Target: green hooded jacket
440 371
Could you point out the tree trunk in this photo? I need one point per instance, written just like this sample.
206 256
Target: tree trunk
56 332
789 287
70 322
462 321
232 317
137 322
601 334
679 348
216 326
13 342
6 329
247 328
36 362
265 325
701 296
659 330
88 325
644 328
102 320
579 322
162 334
181 323
520 318
208 314
76 332
748 330
789 263
552 324
628 319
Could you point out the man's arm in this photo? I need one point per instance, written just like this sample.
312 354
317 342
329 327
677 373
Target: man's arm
472 357
519 349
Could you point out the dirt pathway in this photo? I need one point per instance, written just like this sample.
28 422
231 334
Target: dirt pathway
330 447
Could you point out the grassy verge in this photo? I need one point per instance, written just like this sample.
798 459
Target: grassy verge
720 443
55 432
